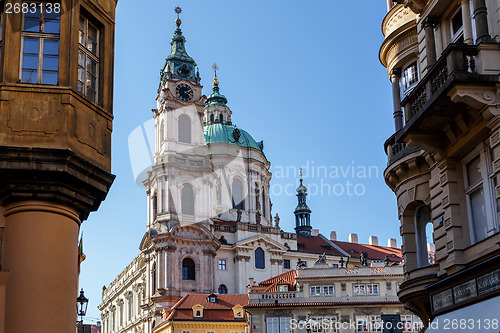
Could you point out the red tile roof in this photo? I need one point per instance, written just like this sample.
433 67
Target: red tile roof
221 310
374 252
316 244
271 284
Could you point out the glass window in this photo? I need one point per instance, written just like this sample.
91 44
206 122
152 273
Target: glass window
315 291
188 269
222 264
286 263
40 44
259 258
457 27
409 78
480 204
328 290
359 289
222 289
88 59
278 325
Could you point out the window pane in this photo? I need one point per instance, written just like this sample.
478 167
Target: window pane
30 61
81 59
29 76
30 45
49 77
91 67
474 171
92 39
51 26
478 208
53 15
33 10
456 22
50 62
31 24
80 86
51 47
91 95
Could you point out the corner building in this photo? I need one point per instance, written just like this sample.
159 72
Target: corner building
443 60
56 114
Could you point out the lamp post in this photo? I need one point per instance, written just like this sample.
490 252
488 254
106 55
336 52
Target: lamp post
81 304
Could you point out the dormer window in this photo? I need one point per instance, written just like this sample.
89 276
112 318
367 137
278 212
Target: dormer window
283 287
212 298
238 312
198 311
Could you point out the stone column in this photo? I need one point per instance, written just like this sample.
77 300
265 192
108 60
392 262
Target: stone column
481 18
430 43
467 22
396 99
40 254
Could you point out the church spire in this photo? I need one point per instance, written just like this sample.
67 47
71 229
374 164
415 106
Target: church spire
216 98
178 65
302 212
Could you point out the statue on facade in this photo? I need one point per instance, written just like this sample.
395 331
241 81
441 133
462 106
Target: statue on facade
276 221
301 264
238 215
218 191
257 217
363 258
257 196
387 261
321 259
341 262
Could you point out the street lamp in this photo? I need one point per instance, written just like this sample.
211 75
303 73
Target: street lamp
81 304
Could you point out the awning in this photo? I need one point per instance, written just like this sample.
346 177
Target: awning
476 318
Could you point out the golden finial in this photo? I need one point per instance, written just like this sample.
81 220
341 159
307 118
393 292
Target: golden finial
215 68
300 172
178 10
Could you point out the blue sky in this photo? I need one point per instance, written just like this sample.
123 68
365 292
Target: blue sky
302 76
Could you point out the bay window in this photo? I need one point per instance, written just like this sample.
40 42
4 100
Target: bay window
88 59
40 43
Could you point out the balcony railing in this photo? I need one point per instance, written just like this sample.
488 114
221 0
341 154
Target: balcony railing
457 63
397 149
272 297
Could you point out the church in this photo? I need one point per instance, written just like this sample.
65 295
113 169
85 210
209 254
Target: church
210 226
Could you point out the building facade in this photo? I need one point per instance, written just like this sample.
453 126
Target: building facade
210 227
443 59
56 114
323 298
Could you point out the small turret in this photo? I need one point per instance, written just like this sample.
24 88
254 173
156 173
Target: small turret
302 212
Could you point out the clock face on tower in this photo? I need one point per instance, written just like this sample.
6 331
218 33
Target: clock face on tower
184 92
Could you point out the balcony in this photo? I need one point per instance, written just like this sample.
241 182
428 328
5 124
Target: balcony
397 149
429 110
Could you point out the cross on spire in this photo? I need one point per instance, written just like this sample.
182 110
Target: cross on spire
178 10
215 68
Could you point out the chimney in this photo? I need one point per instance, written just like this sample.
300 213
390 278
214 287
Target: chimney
98 324
373 240
333 236
353 238
392 242
314 232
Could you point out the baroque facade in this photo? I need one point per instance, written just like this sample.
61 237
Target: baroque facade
56 115
210 228
443 59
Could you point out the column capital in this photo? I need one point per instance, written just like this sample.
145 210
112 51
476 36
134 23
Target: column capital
429 21
396 72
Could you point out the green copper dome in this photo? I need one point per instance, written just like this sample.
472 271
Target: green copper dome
232 135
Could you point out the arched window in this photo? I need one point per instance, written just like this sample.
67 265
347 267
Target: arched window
121 312
153 279
259 258
222 289
187 199
130 306
113 318
162 132
237 194
188 269
221 118
184 127
423 234
264 206
212 118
